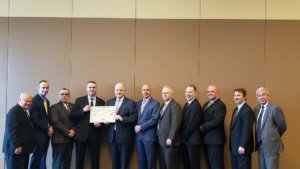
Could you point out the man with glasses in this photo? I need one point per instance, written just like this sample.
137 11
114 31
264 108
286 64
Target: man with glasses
63 131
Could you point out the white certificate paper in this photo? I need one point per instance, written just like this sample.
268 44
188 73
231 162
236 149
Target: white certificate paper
102 114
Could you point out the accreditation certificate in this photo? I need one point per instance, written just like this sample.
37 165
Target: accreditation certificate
102 114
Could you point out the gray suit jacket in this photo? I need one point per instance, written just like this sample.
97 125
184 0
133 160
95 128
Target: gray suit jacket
169 124
60 119
273 127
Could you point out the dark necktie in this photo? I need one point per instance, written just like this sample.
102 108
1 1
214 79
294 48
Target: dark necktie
258 131
235 113
92 102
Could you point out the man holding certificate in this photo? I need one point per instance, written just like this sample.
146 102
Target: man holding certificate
87 134
121 133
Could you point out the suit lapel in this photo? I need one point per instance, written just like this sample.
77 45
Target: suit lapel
237 116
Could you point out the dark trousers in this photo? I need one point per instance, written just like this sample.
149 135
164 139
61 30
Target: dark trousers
169 157
62 155
120 155
146 154
17 161
240 161
214 156
94 149
39 156
191 157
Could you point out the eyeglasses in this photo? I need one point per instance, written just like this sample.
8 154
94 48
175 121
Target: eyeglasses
66 94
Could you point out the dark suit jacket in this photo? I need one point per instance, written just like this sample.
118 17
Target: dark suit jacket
241 130
60 120
191 120
124 129
39 118
273 127
169 124
83 127
148 119
18 132
213 123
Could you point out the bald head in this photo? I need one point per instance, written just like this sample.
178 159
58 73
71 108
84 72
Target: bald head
167 93
146 91
212 92
119 90
25 100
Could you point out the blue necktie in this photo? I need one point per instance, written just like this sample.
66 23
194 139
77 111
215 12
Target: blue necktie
258 131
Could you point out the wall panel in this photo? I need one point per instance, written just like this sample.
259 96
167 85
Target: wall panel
168 9
4 7
232 9
167 54
3 78
38 49
40 8
104 9
283 10
282 79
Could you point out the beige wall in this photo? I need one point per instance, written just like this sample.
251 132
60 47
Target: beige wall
154 9
228 53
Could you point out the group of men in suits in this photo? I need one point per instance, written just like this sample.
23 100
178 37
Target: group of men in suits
31 123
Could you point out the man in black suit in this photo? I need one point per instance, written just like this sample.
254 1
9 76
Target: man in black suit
42 129
190 131
121 133
169 136
145 129
63 131
213 129
18 138
87 134
241 132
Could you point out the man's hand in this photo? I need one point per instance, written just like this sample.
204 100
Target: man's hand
50 131
97 124
118 117
241 150
137 128
71 133
18 150
86 108
169 142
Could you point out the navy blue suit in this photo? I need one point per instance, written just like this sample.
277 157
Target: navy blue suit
241 134
86 134
120 140
40 120
191 135
146 138
18 133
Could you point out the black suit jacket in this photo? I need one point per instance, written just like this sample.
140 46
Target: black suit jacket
83 127
213 123
39 118
191 120
60 120
18 132
241 130
169 124
124 129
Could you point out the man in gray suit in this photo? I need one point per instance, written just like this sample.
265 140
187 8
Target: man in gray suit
63 131
270 127
168 130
